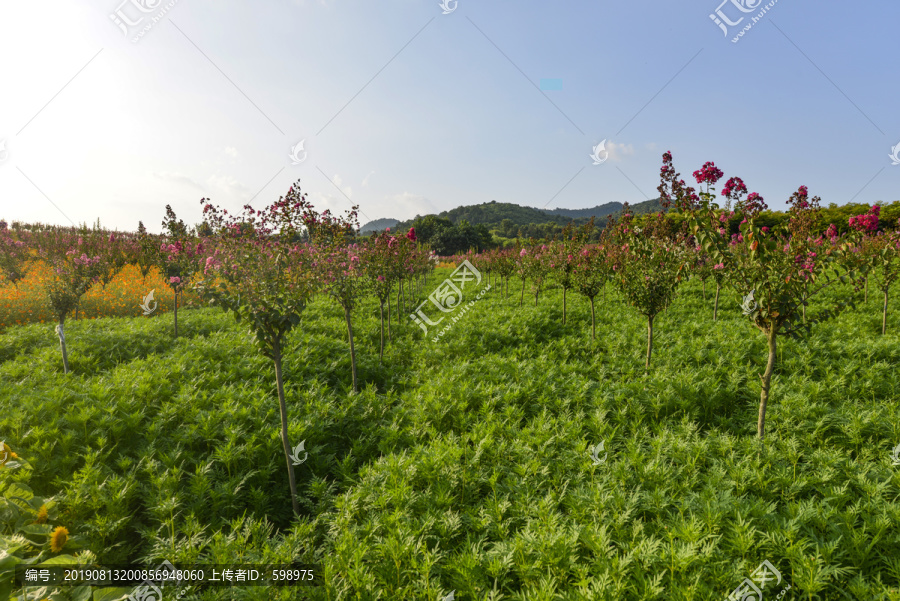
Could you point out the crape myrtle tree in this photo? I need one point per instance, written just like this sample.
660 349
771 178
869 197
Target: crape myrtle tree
589 275
376 256
147 253
340 271
179 256
649 264
264 276
880 252
14 255
73 272
773 270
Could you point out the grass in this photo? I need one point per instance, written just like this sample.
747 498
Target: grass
464 465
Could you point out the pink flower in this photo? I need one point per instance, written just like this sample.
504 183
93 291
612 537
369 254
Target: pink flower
174 280
523 253
719 266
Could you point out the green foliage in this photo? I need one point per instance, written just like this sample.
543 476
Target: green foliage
464 465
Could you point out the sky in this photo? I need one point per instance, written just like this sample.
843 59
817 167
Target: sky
112 109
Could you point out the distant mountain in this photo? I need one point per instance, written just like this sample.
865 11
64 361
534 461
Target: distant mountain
379 224
596 212
494 214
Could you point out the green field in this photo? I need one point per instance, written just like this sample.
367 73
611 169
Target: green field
465 464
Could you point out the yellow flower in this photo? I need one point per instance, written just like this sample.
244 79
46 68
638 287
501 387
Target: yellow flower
5 453
41 515
13 456
58 539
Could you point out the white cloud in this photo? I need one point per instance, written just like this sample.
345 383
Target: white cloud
406 206
177 178
227 184
231 151
618 151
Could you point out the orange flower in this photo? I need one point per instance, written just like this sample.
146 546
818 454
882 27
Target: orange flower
58 539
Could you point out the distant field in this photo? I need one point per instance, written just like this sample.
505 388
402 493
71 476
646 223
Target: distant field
121 298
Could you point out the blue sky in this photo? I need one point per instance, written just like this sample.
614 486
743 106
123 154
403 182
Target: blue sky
405 110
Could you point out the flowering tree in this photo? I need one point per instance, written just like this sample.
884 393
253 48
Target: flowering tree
770 270
341 273
265 278
376 258
178 257
147 251
589 275
881 256
73 272
13 255
865 224
648 267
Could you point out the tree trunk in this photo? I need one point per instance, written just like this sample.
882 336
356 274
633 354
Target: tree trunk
352 349
390 336
399 307
716 308
884 314
62 344
381 352
649 340
593 322
766 383
522 297
564 306
176 314
284 428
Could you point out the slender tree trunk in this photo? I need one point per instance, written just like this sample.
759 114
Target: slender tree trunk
399 307
884 314
381 352
649 339
62 344
176 314
766 384
522 297
284 427
536 297
390 336
564 306
593 322
352 349
716 308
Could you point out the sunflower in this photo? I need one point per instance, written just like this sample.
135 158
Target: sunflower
5 453
58 539
41 515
